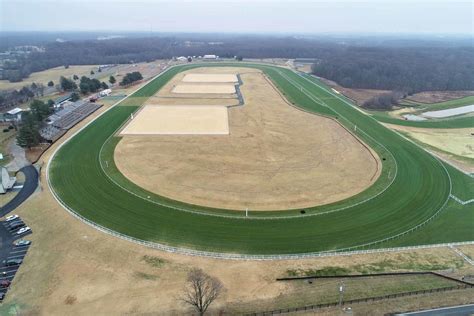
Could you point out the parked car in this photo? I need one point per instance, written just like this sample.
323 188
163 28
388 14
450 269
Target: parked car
12 262
22 242
16 225
23 230
11 217
5 283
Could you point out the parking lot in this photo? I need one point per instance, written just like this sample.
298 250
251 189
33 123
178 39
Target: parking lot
11 253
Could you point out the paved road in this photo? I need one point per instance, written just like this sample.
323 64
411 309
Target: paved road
31 182
19 159
461 310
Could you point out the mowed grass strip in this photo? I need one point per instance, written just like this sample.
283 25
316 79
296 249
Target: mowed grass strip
419 191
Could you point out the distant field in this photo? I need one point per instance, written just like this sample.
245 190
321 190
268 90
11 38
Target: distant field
414 108
47 75
82 179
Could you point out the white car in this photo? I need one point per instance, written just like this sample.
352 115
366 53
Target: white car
11 217
23 230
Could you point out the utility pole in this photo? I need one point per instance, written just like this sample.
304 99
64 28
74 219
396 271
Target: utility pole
342 288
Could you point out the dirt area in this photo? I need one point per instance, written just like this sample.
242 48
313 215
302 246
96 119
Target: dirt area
438 96
304 68
357 95
275 157
204 89
210 78
179 119
73 269
459 143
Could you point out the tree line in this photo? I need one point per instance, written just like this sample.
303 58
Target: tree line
408 69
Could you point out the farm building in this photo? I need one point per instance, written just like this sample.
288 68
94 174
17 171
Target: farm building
13 115
210 57
6 182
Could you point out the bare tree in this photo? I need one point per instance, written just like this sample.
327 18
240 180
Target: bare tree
201 290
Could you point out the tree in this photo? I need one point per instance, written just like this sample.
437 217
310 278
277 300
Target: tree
92 72
40 110
201 290
66 66
99 70
104 86
239 58
112 80
131 77
75 77
75 96
67 84
50 84
28 135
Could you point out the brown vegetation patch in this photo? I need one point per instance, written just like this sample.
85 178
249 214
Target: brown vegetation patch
275 157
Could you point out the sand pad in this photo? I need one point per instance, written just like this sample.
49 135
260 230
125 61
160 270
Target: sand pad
204 88
179 120
210 78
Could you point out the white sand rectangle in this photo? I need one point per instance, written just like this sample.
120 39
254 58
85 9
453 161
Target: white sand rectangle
179 120
449 112
204 88
210 78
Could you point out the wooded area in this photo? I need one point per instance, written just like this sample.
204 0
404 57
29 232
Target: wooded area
405 67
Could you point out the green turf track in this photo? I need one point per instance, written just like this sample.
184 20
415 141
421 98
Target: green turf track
456 122
419 191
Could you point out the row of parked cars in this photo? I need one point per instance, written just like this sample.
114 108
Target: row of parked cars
16 227
14 223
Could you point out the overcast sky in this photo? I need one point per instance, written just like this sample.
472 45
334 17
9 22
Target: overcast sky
283 16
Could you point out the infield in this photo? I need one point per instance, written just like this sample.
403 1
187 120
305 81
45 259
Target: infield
268 162
180 119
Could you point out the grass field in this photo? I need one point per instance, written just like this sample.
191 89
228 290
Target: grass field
52 74
320 291
419 191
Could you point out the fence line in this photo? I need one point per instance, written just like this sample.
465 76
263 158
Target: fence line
461 201
360 300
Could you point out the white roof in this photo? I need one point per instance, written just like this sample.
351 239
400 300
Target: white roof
15 111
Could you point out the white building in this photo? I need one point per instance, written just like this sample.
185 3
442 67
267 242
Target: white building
210 57
105 92
6 182
13 115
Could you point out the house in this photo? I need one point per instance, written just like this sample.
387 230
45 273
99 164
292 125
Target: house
210 57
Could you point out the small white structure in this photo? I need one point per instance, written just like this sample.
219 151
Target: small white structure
6 182
105 92
13 115
182 58
210 57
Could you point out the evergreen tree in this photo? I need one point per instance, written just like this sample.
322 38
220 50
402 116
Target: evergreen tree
28 135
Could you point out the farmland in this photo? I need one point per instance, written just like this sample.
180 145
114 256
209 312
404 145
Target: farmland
413 189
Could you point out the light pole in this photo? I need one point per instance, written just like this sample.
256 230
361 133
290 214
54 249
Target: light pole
341 288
